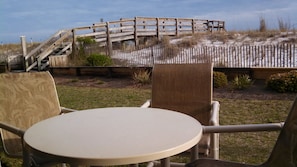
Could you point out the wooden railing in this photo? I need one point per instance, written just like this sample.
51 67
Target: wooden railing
125 29
35 57
131 29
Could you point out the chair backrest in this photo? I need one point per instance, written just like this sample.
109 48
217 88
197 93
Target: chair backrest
25 99
284 152
185 88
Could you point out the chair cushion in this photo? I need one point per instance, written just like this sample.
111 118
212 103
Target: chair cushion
185 88
25 99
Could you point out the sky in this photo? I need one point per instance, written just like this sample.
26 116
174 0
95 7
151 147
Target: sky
39 19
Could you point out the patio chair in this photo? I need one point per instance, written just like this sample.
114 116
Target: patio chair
25 99
187 88
283 154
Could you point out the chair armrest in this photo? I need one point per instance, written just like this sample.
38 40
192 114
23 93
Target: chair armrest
243 128
214 114
12 129
146 104
66 110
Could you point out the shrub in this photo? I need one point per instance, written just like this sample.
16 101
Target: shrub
219 79
99 60
142 76
85 40
283 82
83 43
242 82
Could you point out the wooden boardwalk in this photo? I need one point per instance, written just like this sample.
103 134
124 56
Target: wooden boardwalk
105 33
132 29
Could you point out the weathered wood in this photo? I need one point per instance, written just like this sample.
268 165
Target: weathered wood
158 32
122 38
122 34
58 61
125 29
109 42
120 29
136 33
147 33
35 57
146 26
103 34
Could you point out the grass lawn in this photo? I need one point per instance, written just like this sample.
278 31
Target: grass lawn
243 147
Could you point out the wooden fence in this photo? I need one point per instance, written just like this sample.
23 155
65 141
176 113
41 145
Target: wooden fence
243 56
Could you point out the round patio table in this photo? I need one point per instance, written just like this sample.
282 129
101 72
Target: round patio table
112 136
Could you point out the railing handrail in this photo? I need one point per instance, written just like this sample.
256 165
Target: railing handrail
127 28
42 44
146 22
55 39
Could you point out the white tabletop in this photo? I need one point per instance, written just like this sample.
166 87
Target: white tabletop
114 136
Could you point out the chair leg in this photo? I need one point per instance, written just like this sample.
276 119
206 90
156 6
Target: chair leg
215 146
165 162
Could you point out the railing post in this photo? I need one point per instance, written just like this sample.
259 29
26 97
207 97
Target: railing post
158 29
24 48
94 29
39 64
176 27
223 26
135 33
74 49
193 26
108 39
208 27
24 45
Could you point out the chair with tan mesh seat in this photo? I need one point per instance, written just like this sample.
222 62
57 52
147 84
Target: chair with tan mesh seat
187 88
25 99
